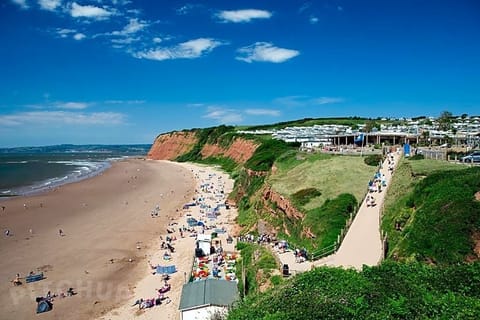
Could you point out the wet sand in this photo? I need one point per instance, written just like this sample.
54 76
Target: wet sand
108 231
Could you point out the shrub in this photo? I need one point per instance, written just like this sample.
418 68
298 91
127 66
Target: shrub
302 197
417 157
373 160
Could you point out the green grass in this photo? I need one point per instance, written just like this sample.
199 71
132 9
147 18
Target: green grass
331 175
426 166
227 164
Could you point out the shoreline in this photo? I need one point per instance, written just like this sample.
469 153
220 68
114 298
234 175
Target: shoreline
98 256
50 184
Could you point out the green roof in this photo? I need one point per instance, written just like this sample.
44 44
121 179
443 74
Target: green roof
208 292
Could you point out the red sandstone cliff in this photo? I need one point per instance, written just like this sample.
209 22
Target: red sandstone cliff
240 150
170 145
282 204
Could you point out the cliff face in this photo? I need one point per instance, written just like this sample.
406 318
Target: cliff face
283 204
240 150
171 145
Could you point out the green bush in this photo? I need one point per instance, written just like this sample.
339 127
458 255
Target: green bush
389 291
302 197
266 154
373 160
417 157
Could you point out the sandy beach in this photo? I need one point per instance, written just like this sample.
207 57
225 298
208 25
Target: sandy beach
108 237
212 187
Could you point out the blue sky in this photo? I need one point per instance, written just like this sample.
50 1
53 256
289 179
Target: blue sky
113 71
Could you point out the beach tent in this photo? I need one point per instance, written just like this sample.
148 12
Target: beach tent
44 306
166 269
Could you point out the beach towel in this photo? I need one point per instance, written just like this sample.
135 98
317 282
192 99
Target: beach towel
166 269
44 306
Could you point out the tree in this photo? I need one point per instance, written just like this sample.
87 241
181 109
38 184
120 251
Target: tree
370 124
445 120
464 116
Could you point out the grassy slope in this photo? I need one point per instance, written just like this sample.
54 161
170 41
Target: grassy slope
438 227
340 190
332 175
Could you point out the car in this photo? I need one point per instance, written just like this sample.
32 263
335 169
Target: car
472 157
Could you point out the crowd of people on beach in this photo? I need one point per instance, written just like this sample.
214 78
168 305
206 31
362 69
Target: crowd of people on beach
200 217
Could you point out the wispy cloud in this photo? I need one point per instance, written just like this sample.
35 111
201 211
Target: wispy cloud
125 101
49 5
304 7
22 3
79 36
327 100
63 33
265 52
89 11
187 50
186 9
134 25
40 118
300 101
246 15
223 115
313 20
72 105
263 112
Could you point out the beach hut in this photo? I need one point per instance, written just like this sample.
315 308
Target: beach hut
202 299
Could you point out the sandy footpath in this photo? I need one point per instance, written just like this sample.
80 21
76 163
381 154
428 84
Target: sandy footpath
213 187
109 235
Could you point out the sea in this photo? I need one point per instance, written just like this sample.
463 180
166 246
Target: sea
32 170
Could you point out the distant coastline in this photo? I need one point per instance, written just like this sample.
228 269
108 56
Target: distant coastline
34 170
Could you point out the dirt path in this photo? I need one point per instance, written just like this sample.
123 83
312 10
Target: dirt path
362 244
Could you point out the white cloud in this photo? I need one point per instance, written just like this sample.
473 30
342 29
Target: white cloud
263 112
39 118
157 40
265 52
22 3
63 33
124 40
49 5
223 115
187 50
72 105
313 20
327 100
133 26
88 11
125 101
186 9
243 15
79 36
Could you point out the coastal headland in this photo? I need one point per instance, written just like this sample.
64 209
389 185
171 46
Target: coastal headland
94 236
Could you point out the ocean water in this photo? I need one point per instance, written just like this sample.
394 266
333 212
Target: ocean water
25 171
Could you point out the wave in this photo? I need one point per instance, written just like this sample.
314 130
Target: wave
16 162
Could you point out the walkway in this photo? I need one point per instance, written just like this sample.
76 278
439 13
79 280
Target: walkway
362 244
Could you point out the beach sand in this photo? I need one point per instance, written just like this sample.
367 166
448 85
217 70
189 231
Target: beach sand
104 219
219 186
